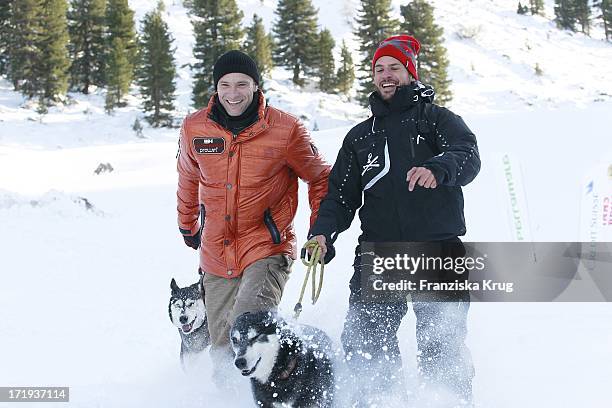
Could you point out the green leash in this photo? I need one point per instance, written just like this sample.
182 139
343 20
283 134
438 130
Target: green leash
311 261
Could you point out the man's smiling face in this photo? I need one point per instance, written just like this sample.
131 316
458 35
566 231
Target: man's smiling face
389 74
236 92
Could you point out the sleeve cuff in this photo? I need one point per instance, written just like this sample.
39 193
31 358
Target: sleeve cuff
438 173
187 232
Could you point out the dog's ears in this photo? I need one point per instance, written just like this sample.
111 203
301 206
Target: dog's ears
197 287
173 286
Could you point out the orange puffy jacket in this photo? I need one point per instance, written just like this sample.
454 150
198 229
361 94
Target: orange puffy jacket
248 186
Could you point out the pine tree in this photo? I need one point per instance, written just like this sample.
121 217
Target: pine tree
87 43
217 29
565 16
538 70
346 70
374 24
5 32
157 70
24 53
536 7
120 24
53 41
583 15
606 7
605 13
122 51
522 10
432 63
257 45
569 14
38 53
119 73
296 35
325 66
137 128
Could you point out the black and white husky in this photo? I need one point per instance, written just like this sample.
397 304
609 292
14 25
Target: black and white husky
288 366
187 312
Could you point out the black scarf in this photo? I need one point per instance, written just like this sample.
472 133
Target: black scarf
236 124
404 97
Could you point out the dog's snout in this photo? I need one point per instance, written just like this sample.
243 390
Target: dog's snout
240 363
183 319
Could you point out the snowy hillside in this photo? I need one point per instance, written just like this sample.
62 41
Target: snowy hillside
86 257
493 71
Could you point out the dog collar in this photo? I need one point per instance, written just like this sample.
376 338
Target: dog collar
287 371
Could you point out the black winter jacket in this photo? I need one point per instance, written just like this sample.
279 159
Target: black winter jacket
370 172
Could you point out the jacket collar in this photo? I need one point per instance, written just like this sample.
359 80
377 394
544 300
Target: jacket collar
404 98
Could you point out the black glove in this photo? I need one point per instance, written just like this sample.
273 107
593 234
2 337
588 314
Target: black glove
193 241
330 254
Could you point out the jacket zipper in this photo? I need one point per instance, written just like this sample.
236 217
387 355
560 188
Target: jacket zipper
269 221
202 217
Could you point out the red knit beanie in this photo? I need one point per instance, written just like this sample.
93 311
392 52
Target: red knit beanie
403 48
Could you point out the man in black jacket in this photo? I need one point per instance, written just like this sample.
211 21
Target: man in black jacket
403 168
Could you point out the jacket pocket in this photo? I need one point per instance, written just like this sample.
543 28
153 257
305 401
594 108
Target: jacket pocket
271 225
202 217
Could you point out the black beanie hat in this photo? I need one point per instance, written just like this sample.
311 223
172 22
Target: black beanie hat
235 61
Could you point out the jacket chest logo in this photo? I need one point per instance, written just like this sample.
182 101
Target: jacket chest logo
209 145
372 162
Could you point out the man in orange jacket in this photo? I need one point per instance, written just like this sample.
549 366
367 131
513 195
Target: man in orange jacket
239 161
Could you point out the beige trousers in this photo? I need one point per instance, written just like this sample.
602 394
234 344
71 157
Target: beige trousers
259 288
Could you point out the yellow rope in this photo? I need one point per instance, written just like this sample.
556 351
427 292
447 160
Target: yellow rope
311 261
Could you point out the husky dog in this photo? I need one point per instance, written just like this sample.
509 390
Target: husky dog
187 312
288 366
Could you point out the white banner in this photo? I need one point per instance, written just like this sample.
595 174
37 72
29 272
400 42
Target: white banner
515 201
596 205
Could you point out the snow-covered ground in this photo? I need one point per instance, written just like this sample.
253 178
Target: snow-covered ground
86 259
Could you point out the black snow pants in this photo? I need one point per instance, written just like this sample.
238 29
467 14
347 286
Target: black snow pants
371 348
